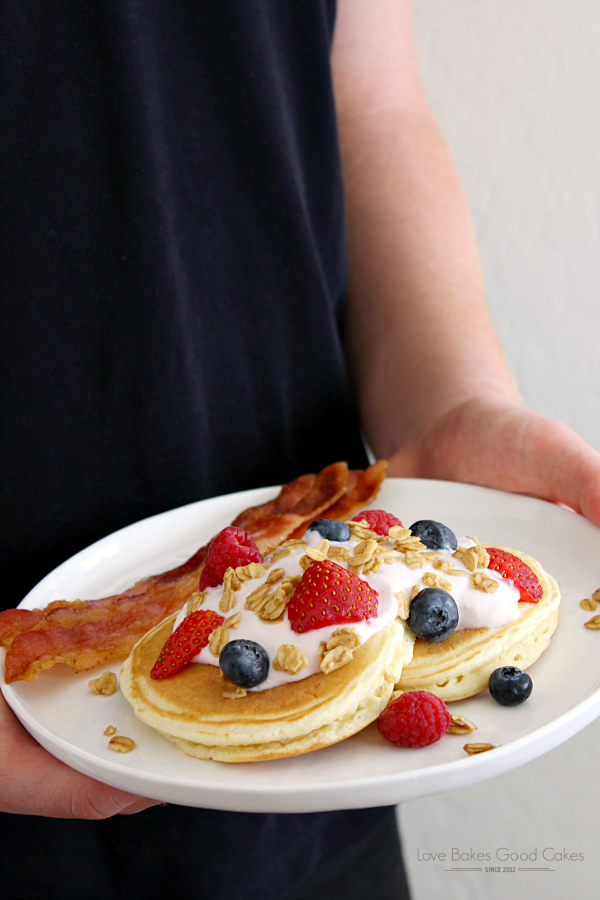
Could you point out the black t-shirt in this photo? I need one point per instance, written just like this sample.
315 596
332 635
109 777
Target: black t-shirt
173 263
173 276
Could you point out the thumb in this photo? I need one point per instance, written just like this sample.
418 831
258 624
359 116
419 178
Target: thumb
71 795
33 782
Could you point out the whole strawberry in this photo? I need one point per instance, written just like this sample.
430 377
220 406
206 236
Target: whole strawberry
231 547
328 594
186 642
378 520
515 570
414 719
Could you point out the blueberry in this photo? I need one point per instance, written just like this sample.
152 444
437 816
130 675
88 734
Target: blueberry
510 686
433 614
245 663
330 529
434 535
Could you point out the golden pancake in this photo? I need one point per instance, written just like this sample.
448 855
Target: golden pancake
461 665
190 709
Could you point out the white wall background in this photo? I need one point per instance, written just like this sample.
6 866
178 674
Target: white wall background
515 85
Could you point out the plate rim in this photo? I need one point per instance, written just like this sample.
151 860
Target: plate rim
523 748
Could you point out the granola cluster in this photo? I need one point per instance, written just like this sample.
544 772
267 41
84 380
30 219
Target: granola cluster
338 650
590 604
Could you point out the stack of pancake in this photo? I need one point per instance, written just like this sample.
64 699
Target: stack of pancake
190 710
307 714
461 665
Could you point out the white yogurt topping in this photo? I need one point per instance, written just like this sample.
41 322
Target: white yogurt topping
476 608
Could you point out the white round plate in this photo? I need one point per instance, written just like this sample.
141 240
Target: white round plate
65 717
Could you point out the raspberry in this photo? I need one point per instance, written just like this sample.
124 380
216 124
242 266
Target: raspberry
231 547
378 520
414 719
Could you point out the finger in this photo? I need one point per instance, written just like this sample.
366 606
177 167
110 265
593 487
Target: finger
76 796
33 782
140 805
55 790
507 447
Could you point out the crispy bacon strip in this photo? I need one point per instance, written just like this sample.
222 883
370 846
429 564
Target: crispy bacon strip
84 634
305 498
14 621
270 524
107 631
64 614
362 488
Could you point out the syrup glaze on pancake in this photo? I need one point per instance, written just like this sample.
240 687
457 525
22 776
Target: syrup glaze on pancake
85 634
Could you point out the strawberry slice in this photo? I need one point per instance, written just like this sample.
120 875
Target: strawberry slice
328 594
513 568
185 642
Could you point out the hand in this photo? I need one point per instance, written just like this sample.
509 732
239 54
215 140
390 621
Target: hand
501 444
32 782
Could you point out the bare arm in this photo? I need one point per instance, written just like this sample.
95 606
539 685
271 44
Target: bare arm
435 393
416 293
